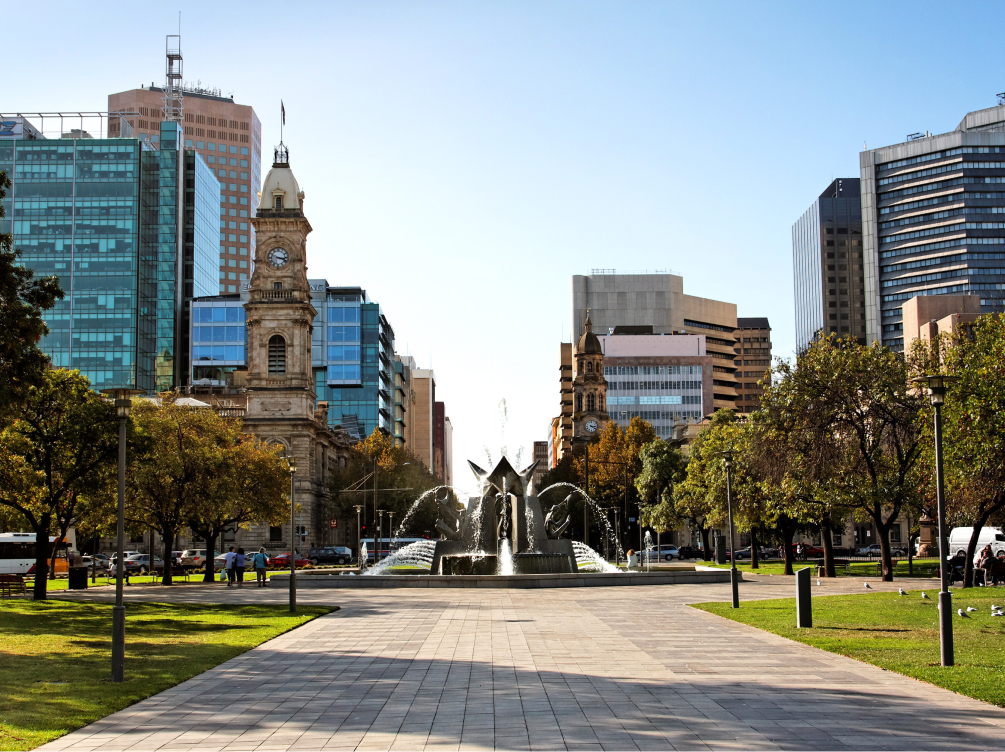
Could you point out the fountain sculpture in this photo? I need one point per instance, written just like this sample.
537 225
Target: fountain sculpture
503 530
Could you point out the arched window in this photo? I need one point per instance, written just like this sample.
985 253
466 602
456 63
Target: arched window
279 203
591 403
589 367
277 354
600 401
579 403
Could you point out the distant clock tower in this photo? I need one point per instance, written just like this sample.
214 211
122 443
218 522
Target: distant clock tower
589 386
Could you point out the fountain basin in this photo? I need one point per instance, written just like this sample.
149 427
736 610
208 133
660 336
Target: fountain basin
684 576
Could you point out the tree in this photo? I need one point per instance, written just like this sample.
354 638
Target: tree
52 453
252 486
864 404
663 467
182 462
23 299
973 425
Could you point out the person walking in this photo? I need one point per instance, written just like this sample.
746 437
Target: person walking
228 563
260 562
240 563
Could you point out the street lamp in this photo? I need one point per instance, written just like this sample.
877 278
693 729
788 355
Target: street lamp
359 539
727 460
380 537
390 532
293 539
937 384
122 405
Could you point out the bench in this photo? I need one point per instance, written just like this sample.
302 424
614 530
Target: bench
10 584
846 563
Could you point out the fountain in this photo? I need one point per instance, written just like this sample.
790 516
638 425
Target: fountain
501 538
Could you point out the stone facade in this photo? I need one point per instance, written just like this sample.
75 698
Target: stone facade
589 386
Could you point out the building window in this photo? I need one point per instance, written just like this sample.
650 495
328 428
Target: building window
579 403
589 367
591 403
279 203
276 533
277 354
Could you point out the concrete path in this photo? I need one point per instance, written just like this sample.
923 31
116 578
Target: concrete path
605 668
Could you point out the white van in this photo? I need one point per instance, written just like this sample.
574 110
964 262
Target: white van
959 539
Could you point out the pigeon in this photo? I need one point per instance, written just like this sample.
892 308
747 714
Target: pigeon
971 609
818 582
995 608
925 595
868 586
901 591
998 613
962 613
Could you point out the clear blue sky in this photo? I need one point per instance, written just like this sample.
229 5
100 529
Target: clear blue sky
462 160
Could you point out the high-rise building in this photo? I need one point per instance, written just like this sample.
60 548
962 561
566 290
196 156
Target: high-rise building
129 227
931 220
402 397
827 266
228 136
440 440
421 423
753 361
562 430
541 458
620 303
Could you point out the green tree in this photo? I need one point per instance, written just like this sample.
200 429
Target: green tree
973 425
51 454
23 299
663 467
252 486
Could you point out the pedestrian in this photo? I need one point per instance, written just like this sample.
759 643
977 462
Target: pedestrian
228 563
260 562
240 563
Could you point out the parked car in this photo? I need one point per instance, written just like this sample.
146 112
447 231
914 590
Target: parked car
743 553
667 552
689 552
809 551
331 555
220 561
959 539
112 558
282 561
99 561
140 563
873 550
196 555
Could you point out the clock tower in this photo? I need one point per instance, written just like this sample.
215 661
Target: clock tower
589 385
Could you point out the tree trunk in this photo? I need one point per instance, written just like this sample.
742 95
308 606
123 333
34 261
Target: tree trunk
167 537
828 540
704 544
210 557
754 560
41 560
884 548
55 548
968 567
787 531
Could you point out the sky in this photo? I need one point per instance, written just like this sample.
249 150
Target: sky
462 160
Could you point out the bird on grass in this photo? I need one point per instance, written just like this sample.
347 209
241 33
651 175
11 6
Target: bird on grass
901 591
971 609
867 586
962 613
925 595
818 582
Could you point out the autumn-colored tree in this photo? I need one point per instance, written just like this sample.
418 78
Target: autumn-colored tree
253 486
973 419
52 453
23 299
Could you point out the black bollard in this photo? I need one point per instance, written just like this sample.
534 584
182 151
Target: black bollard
804 608
720 549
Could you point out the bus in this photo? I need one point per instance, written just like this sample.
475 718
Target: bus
387 546
17 554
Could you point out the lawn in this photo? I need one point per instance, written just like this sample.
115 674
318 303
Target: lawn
922 568
898 633
55 657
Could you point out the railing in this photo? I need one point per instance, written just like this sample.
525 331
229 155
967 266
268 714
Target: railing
277 294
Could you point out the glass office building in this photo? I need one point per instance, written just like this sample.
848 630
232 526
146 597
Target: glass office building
932 220
352 347
128 229
827 266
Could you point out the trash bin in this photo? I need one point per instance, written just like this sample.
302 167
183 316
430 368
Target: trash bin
78 578
720 549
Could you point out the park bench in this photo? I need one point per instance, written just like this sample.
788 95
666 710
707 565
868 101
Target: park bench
10 584
846 563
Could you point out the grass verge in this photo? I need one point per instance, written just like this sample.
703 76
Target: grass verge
922 568
55 657
898 633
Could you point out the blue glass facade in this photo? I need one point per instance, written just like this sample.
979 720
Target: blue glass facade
108 218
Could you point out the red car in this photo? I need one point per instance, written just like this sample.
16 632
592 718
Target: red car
808 550
282 561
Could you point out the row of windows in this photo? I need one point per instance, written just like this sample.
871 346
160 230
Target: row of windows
343 352
923 158
944 244
936 291
342 314
346 372
627 415
649 385
225 148
956 257
343 333
949 274
215 314
705 325
652 370
931 171
926 188
218 334
218 352
665 399
899 237
930 217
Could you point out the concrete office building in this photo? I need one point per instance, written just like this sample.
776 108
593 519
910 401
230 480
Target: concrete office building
228 136
753 361
618 303
402 397
422 424
828 278
541 458
443 431
129 227
928 316
932 220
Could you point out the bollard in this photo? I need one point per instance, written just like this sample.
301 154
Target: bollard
804 608
720 549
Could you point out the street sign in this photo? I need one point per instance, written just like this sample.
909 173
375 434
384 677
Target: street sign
334 523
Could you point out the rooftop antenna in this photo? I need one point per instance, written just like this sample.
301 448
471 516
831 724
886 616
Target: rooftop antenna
282 154
1001 98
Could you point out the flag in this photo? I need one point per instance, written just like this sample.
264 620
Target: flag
283 108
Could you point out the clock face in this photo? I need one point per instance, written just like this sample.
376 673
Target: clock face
278 258
591 426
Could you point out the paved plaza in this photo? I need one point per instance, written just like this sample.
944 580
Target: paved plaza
585 669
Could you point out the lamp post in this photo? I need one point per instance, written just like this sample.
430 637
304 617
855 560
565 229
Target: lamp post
390 532
937 384
359 539
727 460
380 537
293 538
122 405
